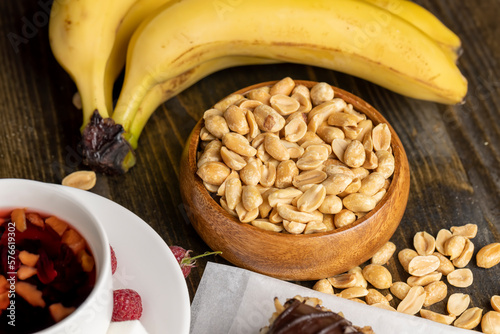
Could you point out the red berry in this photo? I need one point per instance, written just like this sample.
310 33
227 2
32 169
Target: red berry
185 261
127 305
114 263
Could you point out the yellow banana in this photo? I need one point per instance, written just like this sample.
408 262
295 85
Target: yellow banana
170 88
140 10
425 21
350 36
81 35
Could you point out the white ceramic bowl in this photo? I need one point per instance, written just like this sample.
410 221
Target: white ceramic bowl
94 314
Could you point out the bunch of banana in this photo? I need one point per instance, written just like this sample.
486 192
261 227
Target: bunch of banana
173 44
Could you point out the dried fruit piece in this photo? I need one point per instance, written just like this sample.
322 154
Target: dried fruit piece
30 293
18 217
28 258
58 225
58 311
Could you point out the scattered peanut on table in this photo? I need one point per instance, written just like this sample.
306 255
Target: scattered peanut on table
427 266
307 161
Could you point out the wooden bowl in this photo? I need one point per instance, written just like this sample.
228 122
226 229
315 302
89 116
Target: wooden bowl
287 256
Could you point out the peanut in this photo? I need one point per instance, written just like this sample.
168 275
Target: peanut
469 319
488 256
378 276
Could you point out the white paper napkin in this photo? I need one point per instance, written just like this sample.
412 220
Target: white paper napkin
237 301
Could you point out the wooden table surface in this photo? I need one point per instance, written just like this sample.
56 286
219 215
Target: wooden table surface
453 151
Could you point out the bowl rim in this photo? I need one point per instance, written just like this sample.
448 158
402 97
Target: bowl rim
360 105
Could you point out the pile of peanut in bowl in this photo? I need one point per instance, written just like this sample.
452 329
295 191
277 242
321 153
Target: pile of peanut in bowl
294 159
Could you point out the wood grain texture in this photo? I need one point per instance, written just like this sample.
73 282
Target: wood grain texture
453 151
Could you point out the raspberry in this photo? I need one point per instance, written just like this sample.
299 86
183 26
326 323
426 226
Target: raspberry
127 305
185 261
114 263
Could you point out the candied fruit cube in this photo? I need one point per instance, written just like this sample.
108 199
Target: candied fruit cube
25 272
58 311
86 260
4 300
35 219
58 225
28 258
30 293
73 240
18 216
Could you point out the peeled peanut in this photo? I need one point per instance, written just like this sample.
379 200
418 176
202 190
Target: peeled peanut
454 246
424 243
251 198
312 198
464 258
423 265
495 303
343 281
405 256
384 254
435 292
457 303
469 319
488 256
321 92
445 265
378 276
437 317
359 202
239 144
236 119
469 230
323 285
400 289
490 323
375 297
213 172
460 278
413 301
441 238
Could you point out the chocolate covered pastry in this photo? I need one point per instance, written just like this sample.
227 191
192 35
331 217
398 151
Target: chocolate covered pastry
305 316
